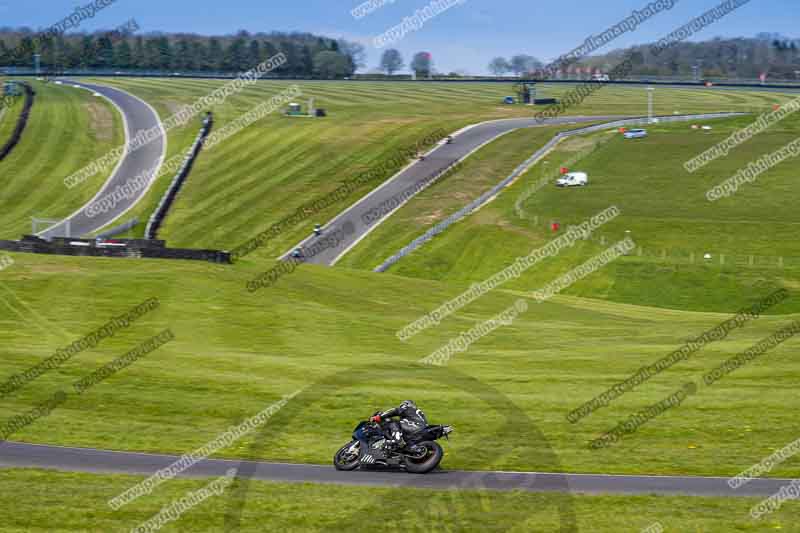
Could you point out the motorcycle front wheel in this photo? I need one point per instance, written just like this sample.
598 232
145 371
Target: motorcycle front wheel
347 457
427 461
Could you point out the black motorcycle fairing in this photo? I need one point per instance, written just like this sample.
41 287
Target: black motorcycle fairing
430 433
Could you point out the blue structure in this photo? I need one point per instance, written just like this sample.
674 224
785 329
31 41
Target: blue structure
12 88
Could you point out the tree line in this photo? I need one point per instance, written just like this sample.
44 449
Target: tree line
307 55
741 57
392 62
748 58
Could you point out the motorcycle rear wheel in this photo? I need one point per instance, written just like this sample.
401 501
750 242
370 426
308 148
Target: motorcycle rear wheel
342 462
431 460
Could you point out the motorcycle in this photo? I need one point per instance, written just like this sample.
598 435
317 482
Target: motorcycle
419 454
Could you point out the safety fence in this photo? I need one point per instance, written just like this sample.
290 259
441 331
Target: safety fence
682 256
521 169
22 121
158 216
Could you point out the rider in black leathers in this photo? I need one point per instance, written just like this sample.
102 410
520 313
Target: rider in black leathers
412 419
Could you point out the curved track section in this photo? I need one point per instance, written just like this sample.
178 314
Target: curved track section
353 224
137 115
18 455
350 226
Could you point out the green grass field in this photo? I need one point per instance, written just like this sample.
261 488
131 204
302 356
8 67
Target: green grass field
235 353
67 129
77 502
750 235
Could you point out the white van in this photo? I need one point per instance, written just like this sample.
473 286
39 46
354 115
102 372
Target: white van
573 179
635 134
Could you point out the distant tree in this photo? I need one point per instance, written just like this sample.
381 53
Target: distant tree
150 55
356 53
307 60
138 53
27 48
391 61
168 52
47 49
522 63
294 66
105 53
87 50
199 56
163 53
215 53
235 56
499 66
422 64
123 55
330 65
183 54
62 54
254 54
268 50
5 54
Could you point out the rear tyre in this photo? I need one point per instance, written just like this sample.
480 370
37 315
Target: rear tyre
427 461
347 459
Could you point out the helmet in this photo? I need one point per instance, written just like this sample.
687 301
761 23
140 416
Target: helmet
408 403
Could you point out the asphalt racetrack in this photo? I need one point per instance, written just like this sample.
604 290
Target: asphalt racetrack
137 115
18 455
356 222
350 226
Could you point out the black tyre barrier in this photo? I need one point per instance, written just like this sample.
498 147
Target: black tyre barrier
22 121
158 216
123 248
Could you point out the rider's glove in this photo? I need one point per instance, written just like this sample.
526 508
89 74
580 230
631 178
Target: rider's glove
376 418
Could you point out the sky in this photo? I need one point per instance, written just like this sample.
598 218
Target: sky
465 37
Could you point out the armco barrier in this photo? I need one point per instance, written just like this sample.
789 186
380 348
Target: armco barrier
22 121
494 191
158 216
134 249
